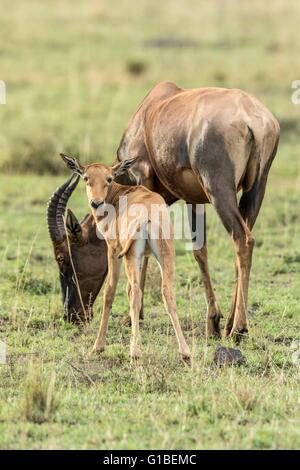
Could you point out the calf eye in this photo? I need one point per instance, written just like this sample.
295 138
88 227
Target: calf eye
109 179
86 178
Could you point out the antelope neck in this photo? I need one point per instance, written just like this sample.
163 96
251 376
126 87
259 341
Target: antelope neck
115 191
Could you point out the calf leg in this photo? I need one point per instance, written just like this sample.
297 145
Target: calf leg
114 265
142 284
165 255
170 306
133 260
127 320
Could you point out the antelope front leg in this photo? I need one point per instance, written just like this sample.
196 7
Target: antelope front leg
114 265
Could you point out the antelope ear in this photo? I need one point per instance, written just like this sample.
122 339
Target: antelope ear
122 167
73 164
73 227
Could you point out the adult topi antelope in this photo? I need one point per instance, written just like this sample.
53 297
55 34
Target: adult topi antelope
147 229
81 256
203 146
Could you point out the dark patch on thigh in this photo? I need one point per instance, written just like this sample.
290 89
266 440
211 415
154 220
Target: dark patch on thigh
210 159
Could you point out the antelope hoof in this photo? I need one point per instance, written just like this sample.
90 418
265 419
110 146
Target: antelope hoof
213 327
227 331
228 327
238 334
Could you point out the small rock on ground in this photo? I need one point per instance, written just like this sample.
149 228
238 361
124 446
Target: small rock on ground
228 357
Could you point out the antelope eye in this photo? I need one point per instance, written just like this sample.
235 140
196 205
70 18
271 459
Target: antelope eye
109 179
86 178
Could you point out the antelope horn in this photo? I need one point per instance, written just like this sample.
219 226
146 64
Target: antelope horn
56 208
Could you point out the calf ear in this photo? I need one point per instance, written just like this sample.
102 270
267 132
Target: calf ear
123 167
73 164
73 227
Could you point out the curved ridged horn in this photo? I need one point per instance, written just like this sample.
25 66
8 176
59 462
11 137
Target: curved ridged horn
56 209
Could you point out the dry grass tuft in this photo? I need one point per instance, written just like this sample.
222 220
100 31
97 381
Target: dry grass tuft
39 402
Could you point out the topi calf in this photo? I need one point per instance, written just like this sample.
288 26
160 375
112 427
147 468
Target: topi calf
131 229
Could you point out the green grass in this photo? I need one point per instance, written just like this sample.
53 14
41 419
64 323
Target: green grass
106 402
75 72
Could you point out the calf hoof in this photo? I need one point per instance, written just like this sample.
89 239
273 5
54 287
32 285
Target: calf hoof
135 353
134 358
186 359
95 351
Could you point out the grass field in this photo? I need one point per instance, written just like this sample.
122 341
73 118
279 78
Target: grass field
75 71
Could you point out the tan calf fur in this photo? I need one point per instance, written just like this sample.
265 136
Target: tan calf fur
103 193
